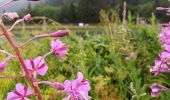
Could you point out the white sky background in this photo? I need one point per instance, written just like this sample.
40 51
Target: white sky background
17 5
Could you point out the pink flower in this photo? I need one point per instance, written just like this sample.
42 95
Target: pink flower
156 89
58 48
160 66
27 17
165 24
35 66
164 36
165 56
166 47
75 89
59 33
11 15
161 8
20 93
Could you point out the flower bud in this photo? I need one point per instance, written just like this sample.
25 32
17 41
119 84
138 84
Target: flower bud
59 33
27 17
57 85
3 64
11 15
161 8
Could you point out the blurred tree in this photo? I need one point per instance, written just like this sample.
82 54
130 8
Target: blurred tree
54 2
69 13
88 10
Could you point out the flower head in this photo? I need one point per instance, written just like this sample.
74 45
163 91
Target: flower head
77 89
164 36
58 48
36 66
161 8
156 89
27 17
160 66
165 56
11 15
20 93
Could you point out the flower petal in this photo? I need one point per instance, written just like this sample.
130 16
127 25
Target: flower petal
13 96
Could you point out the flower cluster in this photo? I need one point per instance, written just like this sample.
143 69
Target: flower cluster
163 61
77 89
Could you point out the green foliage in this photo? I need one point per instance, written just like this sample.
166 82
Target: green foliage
103 58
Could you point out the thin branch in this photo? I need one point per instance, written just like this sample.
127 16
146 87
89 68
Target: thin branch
7 53
34 38
17 22
47 54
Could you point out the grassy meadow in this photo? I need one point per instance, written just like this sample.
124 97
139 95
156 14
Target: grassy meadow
115 57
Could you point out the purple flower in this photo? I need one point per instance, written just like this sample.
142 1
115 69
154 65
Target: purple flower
58 48
11 15
166 47
156 89
27 17
165 56
164 36
160 66
20 93
35 66
161 8
75 89
59 33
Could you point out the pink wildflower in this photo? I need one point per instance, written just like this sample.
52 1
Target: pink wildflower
165 56
161 8
75 89
37 65
27 17
164 36
20 93
59 33
166 47
156 89
160 66
11 15
58 48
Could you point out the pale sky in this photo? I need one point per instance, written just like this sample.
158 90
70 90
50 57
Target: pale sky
17 5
